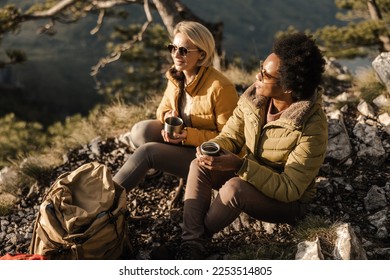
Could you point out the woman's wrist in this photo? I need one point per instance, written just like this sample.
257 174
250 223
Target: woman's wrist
239 164
242 166
185 132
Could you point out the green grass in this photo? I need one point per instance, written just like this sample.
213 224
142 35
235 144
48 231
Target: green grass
5 208
36 168
7 201
368 84
240 76
36 165
265 249
314 226
309 229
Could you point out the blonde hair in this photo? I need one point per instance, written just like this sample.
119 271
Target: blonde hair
200 36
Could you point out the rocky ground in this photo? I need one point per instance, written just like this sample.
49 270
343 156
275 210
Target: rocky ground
344 195
154 221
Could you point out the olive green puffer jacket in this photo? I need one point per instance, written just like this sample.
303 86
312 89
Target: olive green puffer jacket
283 157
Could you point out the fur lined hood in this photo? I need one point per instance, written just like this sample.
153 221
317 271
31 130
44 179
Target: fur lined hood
296 113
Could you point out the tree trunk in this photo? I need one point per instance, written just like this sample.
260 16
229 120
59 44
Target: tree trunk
173 11
375 14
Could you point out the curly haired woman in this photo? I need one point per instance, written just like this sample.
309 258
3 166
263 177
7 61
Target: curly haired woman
280 123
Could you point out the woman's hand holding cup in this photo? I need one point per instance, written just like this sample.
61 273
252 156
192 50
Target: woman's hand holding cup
173 131
213 157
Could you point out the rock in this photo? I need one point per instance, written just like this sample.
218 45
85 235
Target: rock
380 220
335 68
2 235
269 227
347 245
381 65
384 119
339 146
370 149
236 225
309 250
384 253
366 109
375 199
381 101
94 146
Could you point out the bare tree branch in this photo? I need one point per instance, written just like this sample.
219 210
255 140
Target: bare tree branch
171 12
99 22
148 17
62 5
48 28
54 12
114 56
111 3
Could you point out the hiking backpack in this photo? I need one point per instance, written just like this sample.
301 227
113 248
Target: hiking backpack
82 216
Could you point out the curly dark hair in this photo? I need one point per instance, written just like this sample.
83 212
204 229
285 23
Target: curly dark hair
301 64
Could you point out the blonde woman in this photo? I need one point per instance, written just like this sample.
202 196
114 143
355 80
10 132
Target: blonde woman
197 93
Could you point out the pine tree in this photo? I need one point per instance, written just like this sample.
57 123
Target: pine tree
367 30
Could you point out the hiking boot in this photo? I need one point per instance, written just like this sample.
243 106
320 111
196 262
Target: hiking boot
191 250
163 252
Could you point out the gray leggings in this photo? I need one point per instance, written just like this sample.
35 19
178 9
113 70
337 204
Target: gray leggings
152 152
202 218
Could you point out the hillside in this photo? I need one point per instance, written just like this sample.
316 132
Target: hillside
353 188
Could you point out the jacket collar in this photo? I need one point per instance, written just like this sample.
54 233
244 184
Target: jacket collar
177 77
296 113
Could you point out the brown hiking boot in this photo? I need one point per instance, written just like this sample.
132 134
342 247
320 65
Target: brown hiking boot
163 252
191 250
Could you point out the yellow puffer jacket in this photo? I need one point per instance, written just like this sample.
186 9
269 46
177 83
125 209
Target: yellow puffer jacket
214 98
283 157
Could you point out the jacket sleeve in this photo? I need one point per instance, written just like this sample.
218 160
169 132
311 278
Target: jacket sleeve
300 170
232 136
225 100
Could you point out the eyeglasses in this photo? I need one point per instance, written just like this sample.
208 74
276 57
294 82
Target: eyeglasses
182 50
265 77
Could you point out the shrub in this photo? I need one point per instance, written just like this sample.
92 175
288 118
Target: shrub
368 84
19 137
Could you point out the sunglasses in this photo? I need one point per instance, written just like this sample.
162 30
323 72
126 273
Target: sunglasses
182 50
265 77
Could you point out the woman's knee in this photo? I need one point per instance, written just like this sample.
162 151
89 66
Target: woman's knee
149 149
146 131
194 164
196 170
230 192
